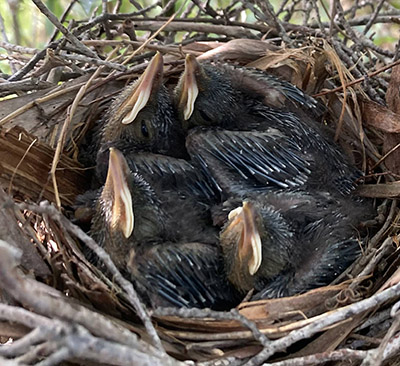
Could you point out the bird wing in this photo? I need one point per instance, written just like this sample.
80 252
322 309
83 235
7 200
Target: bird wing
185 275
249 160
173 174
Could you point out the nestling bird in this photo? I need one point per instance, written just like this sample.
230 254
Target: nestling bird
142 118
127 211
145 238
275 147
183 194
286 243
217 94
166 173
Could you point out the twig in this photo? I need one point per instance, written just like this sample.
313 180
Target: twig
371 21
37 335
106 25
376 357
156 33
136 44
32 62
369 75
268 10
206 313
46 208
75 41
373 243
179 26
63 18
46 98
5 362
318 358
330 319
58 340
24 85
64 131
93 61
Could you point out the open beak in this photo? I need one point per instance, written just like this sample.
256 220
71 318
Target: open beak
140 94
249 244
117 187
190 88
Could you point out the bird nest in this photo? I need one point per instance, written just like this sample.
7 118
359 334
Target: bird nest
57 308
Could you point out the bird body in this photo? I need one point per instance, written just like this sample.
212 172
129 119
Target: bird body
306 241
215 94
248 128
147 229
249 161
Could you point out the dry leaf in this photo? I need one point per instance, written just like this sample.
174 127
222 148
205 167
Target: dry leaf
387 121
277 308
380 117
392 94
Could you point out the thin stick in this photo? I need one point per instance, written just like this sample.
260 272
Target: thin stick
70 114
359 80
75 41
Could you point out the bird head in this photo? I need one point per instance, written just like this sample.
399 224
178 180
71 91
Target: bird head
242 246
203 96
142 116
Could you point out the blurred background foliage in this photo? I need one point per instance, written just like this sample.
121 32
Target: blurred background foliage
21 22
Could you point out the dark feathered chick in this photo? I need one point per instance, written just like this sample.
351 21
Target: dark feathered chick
286 243
167 173
182 190
145 237
217 94
127 211
275 146
142 118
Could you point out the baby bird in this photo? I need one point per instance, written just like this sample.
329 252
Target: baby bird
142 118
248 128
148 239
217 94
127 212
286 243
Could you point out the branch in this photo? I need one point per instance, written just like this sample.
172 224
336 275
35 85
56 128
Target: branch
46 208
330 319
75 41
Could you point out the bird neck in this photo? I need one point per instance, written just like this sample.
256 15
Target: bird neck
149 216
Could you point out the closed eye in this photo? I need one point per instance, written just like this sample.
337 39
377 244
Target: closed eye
205 116
144 130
